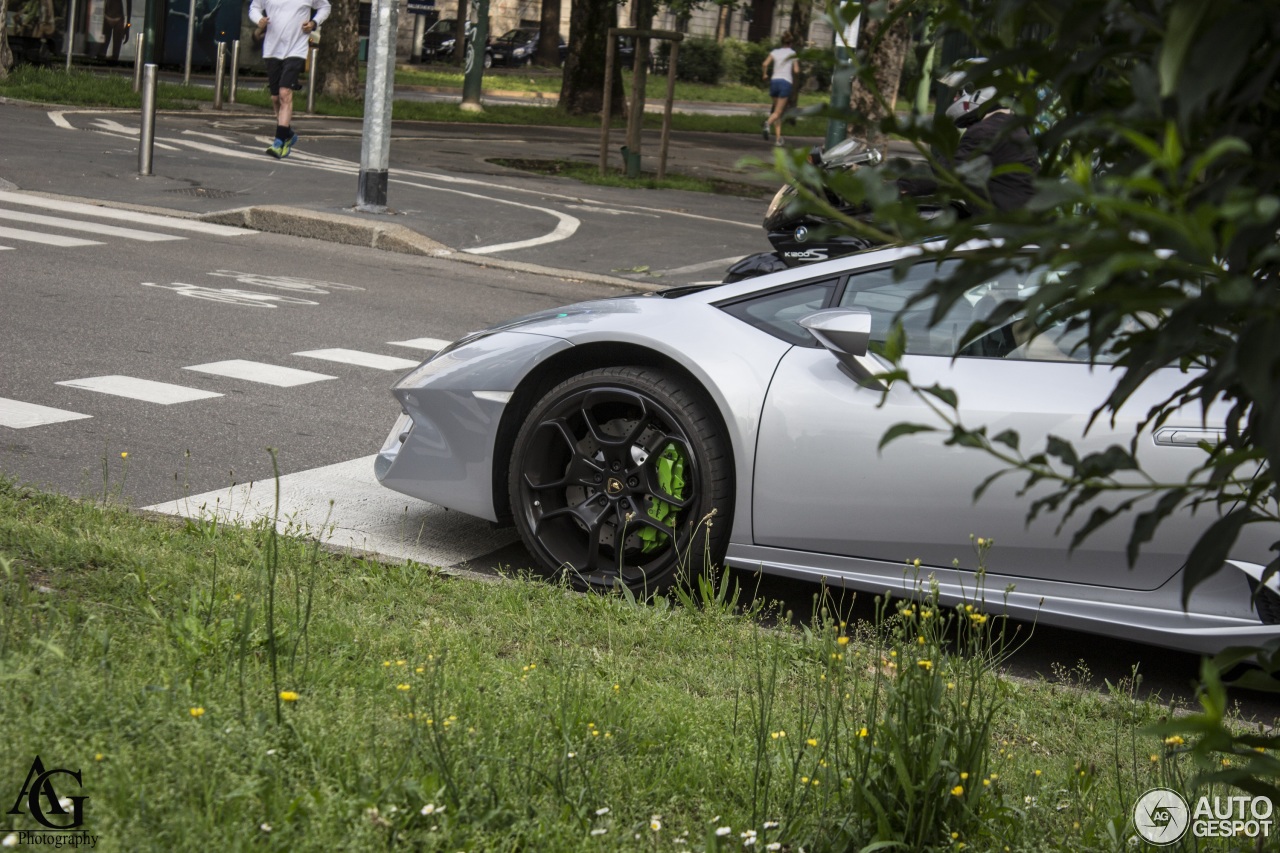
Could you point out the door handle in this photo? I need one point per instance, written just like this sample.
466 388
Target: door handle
1188 437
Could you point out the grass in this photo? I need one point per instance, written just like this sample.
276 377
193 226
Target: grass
87 89
231 688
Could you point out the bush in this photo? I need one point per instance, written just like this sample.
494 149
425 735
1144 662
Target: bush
742 61
701 60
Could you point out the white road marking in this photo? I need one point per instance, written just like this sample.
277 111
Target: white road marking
46 239
566 226
115 128
88 227
225 140
60 120
432 344
361 359
173 222
257 371
611 211
19 415
147 390
344 505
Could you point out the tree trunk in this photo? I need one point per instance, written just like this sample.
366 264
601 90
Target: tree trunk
801 15
6 58
460 43
761 27
887 51
549 35
582 91
722 21
338 56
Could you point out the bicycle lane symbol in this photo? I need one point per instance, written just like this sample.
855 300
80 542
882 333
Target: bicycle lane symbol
231 296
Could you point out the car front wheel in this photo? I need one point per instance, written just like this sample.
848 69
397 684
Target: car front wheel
618 476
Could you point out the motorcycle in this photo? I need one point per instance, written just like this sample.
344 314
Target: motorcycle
800 238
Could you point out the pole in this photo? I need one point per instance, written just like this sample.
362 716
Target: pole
375 147
191 38
473 81
606 113
667 108
312 49
147 137
235 67
137 61
154 11
219 72
842 80
419 31
70 34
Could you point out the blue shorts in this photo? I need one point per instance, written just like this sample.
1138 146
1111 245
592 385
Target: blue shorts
779 88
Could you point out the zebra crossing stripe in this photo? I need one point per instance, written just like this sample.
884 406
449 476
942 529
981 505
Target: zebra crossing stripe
361 359
256 371
432 344
88 227
19 415
146 390
174 222
46 239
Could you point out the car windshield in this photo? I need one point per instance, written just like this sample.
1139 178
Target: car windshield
443 27
518 35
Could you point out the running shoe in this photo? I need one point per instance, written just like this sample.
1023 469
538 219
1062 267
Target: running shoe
277 149
288 145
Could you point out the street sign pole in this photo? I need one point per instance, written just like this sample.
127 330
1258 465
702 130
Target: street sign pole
473 81
375 148
842 80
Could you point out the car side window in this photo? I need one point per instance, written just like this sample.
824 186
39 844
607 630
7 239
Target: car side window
778 312
887 297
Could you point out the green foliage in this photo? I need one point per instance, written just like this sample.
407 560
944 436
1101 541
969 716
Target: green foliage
743 61
701 60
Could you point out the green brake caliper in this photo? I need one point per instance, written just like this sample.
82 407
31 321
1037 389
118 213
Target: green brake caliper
669 469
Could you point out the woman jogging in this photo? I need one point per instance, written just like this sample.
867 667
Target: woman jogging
785 68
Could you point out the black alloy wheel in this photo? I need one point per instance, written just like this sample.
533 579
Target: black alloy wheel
619 477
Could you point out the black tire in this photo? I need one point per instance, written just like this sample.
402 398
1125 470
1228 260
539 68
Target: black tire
586 466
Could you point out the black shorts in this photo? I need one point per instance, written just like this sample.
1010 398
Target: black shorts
284 73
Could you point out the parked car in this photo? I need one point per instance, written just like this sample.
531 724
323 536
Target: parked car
632 438
441 38
519 47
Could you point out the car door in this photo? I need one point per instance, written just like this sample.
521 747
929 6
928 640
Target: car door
822 485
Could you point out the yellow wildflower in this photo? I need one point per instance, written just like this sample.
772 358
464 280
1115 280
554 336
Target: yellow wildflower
197 712
957 791
288 696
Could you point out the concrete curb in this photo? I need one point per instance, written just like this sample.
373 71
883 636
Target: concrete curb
354 231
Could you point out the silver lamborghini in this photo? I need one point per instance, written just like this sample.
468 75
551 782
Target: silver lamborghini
634 438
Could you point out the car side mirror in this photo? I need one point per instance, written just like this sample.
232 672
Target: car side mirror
846 334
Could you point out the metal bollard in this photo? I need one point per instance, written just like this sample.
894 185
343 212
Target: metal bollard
70 35
311 78
235 67
220 69
137 61
147 138
191 40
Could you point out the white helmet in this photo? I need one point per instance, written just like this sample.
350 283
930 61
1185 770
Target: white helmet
968 97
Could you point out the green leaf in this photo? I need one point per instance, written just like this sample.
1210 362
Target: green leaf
899 430
1212 549
1184 23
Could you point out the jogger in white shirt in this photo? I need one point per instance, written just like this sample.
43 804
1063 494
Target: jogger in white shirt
285 27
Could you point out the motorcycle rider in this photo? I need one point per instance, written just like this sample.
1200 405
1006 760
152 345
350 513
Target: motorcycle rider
990 130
